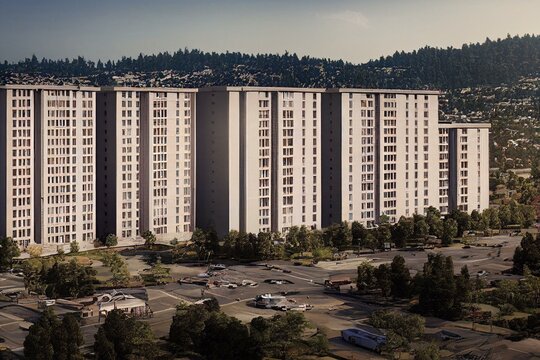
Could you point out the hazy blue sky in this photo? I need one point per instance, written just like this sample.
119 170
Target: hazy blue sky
355 30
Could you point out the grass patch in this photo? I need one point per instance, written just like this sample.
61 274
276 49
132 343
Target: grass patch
82 260
149 280
515 315
304 255
321 254
303 262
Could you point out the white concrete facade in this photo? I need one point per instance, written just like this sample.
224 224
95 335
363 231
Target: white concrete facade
259 158
468 163
386 153
229 158
48 185
147 158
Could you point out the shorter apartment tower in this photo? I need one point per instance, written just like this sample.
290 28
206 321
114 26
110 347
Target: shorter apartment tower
385 153
258 160
146 157
47 180
378 153
468 165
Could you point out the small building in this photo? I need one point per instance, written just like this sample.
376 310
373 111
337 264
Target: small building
372 340
268 301
130 306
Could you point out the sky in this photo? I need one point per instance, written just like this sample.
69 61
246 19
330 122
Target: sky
352 30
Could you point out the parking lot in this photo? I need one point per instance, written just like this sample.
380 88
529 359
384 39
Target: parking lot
303 284
330 312
490 254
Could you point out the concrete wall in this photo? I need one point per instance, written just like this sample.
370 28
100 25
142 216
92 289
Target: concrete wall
106 163
331 142
213 208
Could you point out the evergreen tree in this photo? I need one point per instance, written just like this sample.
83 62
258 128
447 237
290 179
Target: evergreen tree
383 278
338 235
400 277
149 238
449 232
38 343
124 338
51 339
438 288
110 240
403 231
187 327
365 278
527 255
67 339
8 250
358 233
226 338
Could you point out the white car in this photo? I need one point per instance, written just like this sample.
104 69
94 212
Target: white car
228 285
218 267
249 283
482 273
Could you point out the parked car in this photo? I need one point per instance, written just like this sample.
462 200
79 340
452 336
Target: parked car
250 283
218 267
278 281
16 272
482 273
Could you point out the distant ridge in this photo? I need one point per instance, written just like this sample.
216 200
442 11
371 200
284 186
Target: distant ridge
492 63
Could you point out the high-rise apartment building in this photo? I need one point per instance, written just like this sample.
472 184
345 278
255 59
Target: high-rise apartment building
468 165
266 159
47 179
258 158
146 154
386 154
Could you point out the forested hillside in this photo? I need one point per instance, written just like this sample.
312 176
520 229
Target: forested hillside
490 63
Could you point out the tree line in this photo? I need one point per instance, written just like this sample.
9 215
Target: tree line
58 279
342 236
492 62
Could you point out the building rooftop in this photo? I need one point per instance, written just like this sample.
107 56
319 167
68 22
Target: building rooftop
148 89
385 91
329 90
460 125
259 88
223 88
50 87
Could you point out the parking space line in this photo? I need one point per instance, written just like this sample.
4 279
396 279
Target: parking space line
237 302
169 295
164 310
10 323
11 317
300 278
